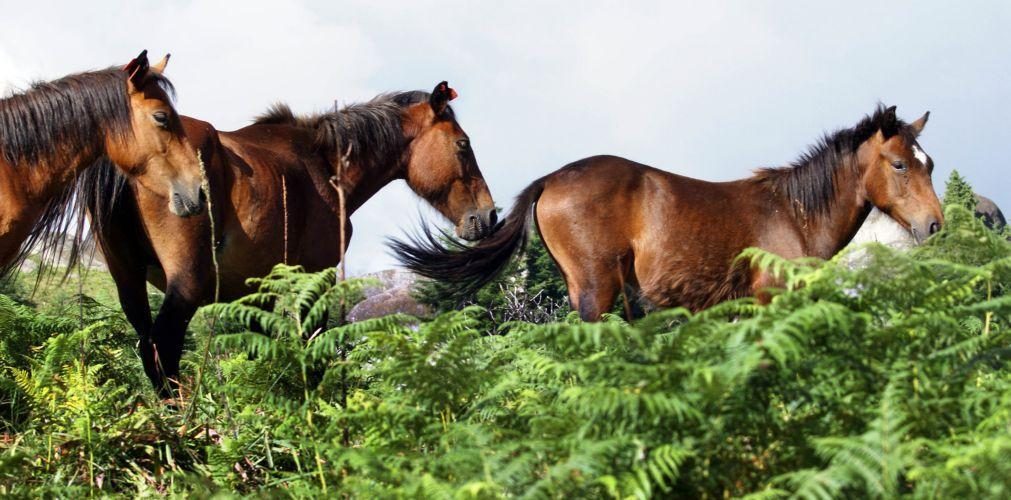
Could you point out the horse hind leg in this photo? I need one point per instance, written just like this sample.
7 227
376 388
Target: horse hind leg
593 287
593 302
591 294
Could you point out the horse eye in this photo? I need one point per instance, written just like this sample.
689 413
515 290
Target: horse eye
161 118
898 165
463 144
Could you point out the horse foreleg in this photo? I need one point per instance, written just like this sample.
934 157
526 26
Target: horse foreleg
128 272
164 348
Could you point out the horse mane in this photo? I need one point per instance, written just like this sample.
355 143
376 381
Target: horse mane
44 124
373 129
810 180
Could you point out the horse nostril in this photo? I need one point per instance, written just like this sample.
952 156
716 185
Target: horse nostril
934 227
472 219
492 217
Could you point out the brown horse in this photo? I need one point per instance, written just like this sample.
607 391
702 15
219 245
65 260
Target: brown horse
608 221
272 202
55 130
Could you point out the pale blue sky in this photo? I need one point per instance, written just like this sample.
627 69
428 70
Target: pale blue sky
711 91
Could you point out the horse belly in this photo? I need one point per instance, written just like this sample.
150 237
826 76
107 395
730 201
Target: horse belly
690 283
685 256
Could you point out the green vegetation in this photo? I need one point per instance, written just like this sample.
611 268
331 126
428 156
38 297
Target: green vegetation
958 192
883 379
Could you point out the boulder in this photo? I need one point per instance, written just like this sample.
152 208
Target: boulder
391 295
881 228
989 212
885 230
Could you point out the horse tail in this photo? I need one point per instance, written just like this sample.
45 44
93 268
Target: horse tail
469 268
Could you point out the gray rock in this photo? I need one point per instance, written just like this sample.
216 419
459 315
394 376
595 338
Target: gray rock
883 229
989 212
392 295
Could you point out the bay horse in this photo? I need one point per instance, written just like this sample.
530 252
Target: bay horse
52 132
609 222
272 202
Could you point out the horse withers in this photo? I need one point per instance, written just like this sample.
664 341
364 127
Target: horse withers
54 131
609 222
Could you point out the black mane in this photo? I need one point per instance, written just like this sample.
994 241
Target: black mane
810 181
373 130
49 119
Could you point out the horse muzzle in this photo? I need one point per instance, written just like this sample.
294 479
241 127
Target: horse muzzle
187 202
477 224
925 228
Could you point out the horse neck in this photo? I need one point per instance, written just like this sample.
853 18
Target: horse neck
827 233
362 182
26 190
48 176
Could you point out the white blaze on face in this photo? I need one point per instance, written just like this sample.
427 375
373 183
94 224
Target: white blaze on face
919 154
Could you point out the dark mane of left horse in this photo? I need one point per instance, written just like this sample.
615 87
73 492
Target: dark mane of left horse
374 129
42 123
811 179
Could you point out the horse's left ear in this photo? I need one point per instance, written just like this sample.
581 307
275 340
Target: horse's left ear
891 119
137 70
441 96
920 123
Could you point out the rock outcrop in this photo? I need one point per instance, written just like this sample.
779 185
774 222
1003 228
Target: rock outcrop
989 212
391 295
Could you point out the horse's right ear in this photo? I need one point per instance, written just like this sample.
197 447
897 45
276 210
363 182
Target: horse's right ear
159 67
440 98
137 70
920 123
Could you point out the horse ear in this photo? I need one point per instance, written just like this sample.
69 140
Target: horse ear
159 67
441 96
890 121
137 70
920 123
887 122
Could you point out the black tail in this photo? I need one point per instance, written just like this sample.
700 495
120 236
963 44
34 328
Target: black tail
470 267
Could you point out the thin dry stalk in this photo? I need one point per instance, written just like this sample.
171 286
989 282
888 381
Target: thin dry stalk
284 206
335 181
205 185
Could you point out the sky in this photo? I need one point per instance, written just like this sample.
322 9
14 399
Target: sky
706 89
